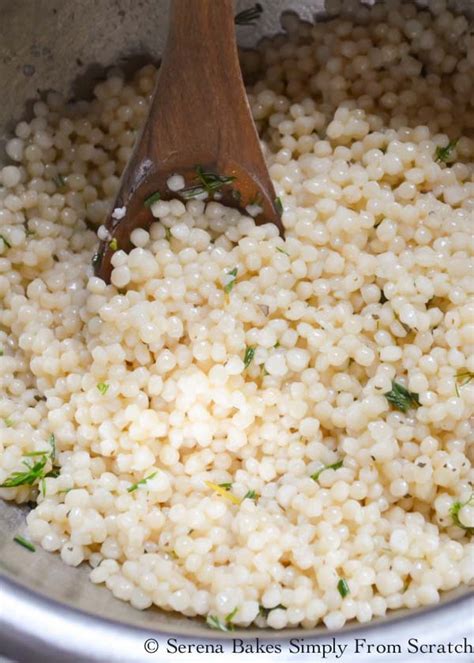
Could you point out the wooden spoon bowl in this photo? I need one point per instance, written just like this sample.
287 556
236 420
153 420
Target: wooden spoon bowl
199 126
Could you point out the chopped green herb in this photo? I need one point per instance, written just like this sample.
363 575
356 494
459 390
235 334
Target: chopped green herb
454 512
154 198
464 377
343 588
226 486
282 251
249 16
278 205
23 542
168 234
444 154
103 387
8 422
142 482
1 352
251 495
34 472
208 183
264 612
277 344
95 260
401 398
6 242
333 466
228 287
59 181
230 616
214 622
113 244
52 444
32 454
249 355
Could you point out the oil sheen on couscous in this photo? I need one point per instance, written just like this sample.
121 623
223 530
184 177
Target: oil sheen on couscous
241 427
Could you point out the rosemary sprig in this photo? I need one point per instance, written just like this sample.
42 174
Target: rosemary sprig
142 482
249 16
334 466
401 398
207 183
34 472
444 154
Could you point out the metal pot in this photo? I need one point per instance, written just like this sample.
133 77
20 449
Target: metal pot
49 611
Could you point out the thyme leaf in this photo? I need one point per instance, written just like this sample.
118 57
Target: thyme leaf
249 355
343 588
142 482
444 154
401 398
230 284
334 466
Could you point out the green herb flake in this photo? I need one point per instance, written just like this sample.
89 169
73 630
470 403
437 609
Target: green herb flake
249 16
454 513
113 244
1 352
280 250
343 588
207 183
278 205
228 287
230 616
95 260
6 242
9 422
333 466
154 198
251 495
25 543
215 623
264 612
444 154
34 472
103 387
168 234
225 486
401 398
464 377
142 482
249 355
52 444
59 181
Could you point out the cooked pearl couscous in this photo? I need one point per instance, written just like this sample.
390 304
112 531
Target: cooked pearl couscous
243 427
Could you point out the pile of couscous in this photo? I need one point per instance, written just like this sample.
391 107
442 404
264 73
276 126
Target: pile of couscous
243 427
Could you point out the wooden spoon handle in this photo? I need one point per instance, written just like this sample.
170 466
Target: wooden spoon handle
197 111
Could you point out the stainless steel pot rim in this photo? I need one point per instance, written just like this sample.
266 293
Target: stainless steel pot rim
57 631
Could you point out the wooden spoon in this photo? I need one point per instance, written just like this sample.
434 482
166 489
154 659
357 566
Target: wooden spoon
199 127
